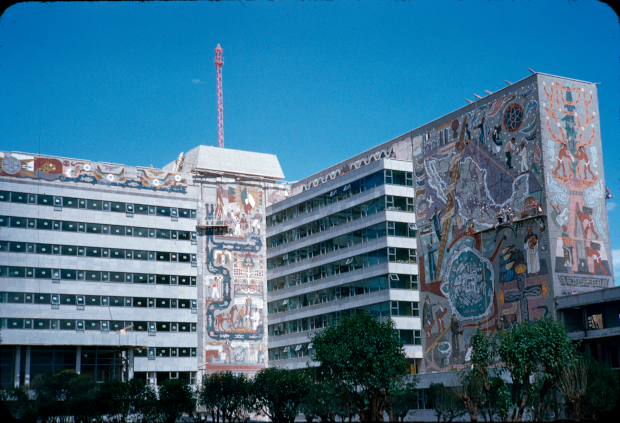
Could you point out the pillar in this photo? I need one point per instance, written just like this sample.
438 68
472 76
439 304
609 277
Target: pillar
78 359
130 364
27 368
17 364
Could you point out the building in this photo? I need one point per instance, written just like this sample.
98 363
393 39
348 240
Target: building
481 218
593 319
506 200
74 295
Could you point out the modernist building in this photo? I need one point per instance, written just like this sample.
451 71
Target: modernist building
506 200
104 267
478 219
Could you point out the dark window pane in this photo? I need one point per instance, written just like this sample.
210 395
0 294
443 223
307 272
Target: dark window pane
118 207
42 298
117 277
70 202
140 326
162 256
184 280
116 253
68 274
163 233
163 327
17 247
93 252
117 230
184 235
184 327
44 249
41 324
44 224
17 272
140 255
163 279
141 209
117 301
93 228
15 297
19 222
163 211
93 276
140 278
4 195
94 204
15 323
68 250
20 197
4 221
43 200
67 299
162 303
184 304
185 213
41 273
92 325
116 325
93 300
141 232
69 226
67 325
185 257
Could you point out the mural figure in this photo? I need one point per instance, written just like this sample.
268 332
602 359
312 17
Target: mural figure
510 147
456 330
530 246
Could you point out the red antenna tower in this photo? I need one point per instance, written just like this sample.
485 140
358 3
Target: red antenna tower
220 103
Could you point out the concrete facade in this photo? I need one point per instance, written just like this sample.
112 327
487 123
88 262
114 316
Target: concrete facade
69 284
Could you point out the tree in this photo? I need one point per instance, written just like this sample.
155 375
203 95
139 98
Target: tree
446 403
175 398
471 392
399 405
603 389
17 403
364 357
322 402
280 392
530 347
500 398
225 394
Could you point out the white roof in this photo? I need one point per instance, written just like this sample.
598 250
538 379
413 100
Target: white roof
222 160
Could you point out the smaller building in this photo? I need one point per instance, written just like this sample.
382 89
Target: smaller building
594 319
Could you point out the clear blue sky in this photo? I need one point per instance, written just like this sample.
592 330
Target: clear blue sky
313 82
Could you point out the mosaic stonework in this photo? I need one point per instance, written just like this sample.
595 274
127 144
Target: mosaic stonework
78 171
235 280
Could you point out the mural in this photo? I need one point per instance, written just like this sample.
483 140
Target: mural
576 198
235 279
66 170
479 185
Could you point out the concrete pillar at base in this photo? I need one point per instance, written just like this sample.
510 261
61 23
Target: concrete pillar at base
18 364
130 363
78 359
27 369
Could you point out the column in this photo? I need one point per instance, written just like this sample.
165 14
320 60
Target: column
130 364
27 369
17 363
78 359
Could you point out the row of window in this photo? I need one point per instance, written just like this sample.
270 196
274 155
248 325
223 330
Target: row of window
94 300
359 236
72 250
93 276
95 228
153 352
383 309
82 203
97 325
352 289
342 217
393 177
350 264
407 337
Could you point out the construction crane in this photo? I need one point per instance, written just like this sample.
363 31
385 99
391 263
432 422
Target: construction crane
220 104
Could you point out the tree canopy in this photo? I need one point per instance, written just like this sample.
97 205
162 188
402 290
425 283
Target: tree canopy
280 392
364 357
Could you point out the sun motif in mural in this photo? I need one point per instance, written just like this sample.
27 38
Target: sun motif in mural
513 117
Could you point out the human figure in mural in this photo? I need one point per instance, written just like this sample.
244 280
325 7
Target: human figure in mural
497 147
522 152
564 153
427 316
230 223
587 224
209 212
457 330
244 223
582 155
227 349
219 208
437 224
568 244
594 260
510 147
215 288
530 247
256 221
440 324
484 130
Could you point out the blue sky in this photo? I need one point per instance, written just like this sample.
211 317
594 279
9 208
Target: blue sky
313 82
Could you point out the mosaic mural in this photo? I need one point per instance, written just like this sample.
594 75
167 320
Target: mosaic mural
506 205
235 280
79 171
576 189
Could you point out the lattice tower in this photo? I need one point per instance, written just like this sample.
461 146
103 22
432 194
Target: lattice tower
219 61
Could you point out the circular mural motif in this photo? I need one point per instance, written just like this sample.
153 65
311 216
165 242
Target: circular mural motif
11 165
468 284
513 117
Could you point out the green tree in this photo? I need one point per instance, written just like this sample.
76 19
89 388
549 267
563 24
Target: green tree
500 398
471 392
364 357
531 347
113 400
484 351
225 394
321 402
401 403
17 403
446 403
603 389
280 392
175 398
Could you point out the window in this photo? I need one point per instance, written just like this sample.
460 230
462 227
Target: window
118 207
